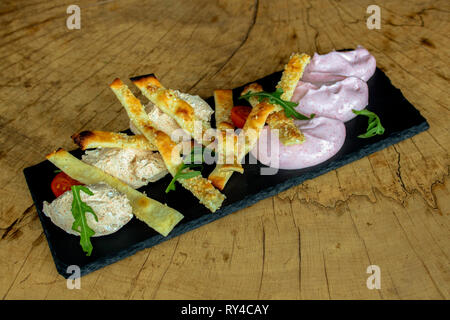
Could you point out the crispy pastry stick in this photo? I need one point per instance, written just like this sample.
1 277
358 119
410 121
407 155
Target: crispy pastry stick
227 149
226 140
292 73
289 133
223 101
251 131
168 101
104 139
155 214
256 119
199 186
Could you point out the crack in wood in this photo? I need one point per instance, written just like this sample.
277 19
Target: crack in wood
308 21
27 27
17 274
419 257
247 34
135 279
299 262
9 230
398 172
232 247
274 214
326 275
165 271
439 182
263 257
419 13
362 241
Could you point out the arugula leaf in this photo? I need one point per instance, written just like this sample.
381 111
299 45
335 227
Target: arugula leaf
374 126
181 175
79 209
195 160
275 98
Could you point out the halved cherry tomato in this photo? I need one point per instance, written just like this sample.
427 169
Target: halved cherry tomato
239 115
61 183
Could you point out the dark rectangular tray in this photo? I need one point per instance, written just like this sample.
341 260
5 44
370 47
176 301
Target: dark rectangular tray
400 119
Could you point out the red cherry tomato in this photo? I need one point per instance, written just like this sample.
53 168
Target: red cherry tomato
61 183
239 115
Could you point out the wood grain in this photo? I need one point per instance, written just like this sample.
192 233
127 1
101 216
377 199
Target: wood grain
313 241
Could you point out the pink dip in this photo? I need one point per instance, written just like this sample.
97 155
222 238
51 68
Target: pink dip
334 100
332 85
324 137
335 66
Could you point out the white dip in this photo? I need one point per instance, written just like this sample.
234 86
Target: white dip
202 111
112 208
135 167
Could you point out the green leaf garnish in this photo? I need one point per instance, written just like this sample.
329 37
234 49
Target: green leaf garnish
275 98
79 209
194 160
374 126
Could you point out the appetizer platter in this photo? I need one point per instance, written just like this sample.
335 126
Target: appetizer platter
185 161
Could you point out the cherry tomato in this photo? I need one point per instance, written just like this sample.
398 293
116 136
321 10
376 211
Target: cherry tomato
239 115
61 183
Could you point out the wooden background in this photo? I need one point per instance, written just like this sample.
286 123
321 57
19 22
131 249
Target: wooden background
313 241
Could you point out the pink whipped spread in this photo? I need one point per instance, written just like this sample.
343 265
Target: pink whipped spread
324 137
332 85
336 66
334 100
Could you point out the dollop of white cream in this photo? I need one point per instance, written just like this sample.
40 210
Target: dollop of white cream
112 208
202 110
164 121
135 167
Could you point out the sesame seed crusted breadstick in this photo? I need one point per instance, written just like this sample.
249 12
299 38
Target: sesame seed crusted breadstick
170 103
226 140
104 139
251 131
292 73
289 133
199 186
223 101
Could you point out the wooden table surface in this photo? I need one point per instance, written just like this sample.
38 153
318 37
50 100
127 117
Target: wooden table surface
390 209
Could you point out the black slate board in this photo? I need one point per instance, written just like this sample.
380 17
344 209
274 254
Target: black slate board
400 119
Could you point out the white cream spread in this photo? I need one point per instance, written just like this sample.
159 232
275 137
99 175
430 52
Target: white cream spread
135 167
164 121
168 125
112 208
202 110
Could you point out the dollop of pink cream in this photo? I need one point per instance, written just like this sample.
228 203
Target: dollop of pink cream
324 138
333 100
335 66
332 85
